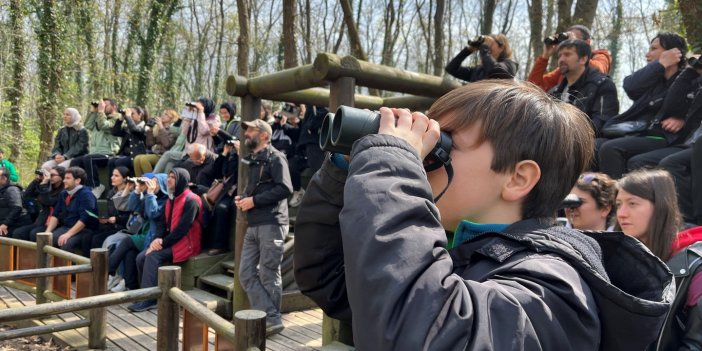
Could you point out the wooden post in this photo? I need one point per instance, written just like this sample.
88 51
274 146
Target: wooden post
250 110
43 239
250 330
342 93
98 286
168 310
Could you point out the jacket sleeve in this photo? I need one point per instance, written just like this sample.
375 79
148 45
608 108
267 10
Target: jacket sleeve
121 202
692 337
47 197
165 138
104 123
283 185
676 101
87 202
58 148
190 211
90 122
79 148
601 60
505 69
401 283
134 202
319 257
641 81
133 128
455 69
543 80
117 129
152 210
605 106
14 177
14 207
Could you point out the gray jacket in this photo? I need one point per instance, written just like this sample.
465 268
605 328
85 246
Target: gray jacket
370 248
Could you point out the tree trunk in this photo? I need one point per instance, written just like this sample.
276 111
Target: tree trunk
487 15
439 37
289 43
614 38
308 32
535 36
159 17
134 38
19 77
354 38
691 13
49 66
584 12
116 82
564 17
388 25
242 56
86 11
218 66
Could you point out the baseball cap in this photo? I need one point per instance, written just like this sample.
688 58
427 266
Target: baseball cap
260 124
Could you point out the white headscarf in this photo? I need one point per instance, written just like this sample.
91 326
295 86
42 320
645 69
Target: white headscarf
75 118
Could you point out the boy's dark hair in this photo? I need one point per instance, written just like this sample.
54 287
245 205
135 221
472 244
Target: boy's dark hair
77 173
657 186
670 40
521 122
584 31
581 48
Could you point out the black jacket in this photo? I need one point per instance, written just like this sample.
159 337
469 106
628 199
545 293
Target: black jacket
647 87
12 213
47 199
70 142
309 128
270 185
593 93
685 102
488 69
381 256
133 138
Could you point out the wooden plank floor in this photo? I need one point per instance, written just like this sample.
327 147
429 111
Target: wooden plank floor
137 331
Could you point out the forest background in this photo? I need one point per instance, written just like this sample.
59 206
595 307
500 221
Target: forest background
161 53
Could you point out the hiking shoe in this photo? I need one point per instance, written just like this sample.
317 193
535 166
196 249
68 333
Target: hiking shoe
98 190
121 286
142 306
113 280
272 329
297 198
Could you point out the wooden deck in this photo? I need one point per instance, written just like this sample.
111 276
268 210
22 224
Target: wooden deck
137 331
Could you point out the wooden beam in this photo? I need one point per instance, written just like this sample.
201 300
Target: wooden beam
250 326
98 286
168 309
43 239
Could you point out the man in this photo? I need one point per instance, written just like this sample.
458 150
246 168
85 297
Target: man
48 190
199 166
585 87
178 234
74 219
600 60
103 144
12 214
264 201
371 245
12 172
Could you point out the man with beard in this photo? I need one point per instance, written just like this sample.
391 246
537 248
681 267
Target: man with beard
177 234
585 87
74 219
265 202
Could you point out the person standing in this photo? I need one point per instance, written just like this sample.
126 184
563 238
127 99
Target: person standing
265 202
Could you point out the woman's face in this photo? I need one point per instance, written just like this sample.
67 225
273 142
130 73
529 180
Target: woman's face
117 179
66 117
166 118
136 116
654 50
496 50
224 113
634 214
587 216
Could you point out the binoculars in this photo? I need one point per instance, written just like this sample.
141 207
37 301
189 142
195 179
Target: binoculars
695 62
341 129
556 38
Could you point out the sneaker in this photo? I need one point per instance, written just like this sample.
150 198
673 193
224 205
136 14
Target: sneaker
272 329
297 198
215 252
98 190
121 286
142 306
113 280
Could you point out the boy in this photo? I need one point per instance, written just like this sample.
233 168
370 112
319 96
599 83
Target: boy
371 246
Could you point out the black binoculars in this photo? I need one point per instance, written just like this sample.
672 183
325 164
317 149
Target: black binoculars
95 103
341 129
571 201
556 38
694 62
479 40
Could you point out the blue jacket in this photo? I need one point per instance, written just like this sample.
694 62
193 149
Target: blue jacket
77 209
151 206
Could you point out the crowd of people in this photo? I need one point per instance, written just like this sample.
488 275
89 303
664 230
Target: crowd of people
173 190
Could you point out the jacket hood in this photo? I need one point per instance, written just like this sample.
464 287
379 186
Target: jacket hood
182 179
633 294
162 180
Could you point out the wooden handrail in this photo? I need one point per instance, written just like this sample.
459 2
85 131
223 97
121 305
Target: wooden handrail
213 320
43 329
45 272
56 252
17 242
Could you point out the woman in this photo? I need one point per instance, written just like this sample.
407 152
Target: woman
117 212
160 139
71 141
48 190
647 209
495 60
197 130
596 191
227 111
131 128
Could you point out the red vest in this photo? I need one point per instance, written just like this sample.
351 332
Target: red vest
189 245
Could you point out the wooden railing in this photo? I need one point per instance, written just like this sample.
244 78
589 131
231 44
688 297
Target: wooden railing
250 324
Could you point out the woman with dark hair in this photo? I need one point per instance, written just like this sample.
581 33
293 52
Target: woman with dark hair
647 209
131 127
230 121
495 60
596 192
197 130
117 211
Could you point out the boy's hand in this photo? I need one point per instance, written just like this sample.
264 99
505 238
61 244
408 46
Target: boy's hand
415 128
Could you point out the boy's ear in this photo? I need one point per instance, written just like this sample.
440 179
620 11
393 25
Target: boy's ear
524 178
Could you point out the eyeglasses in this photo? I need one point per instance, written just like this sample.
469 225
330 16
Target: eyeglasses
54 175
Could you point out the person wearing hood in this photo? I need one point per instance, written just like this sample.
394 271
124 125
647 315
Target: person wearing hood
231 122
265 202
177 236
372 246
12 214
152 195
198 130
71 141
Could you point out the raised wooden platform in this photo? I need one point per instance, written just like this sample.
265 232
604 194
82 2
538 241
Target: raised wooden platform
137 331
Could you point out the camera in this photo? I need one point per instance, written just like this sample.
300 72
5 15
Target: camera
39 171
341 129
150 122
695 62
95 103
228 138
571 201
556 38
479 40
